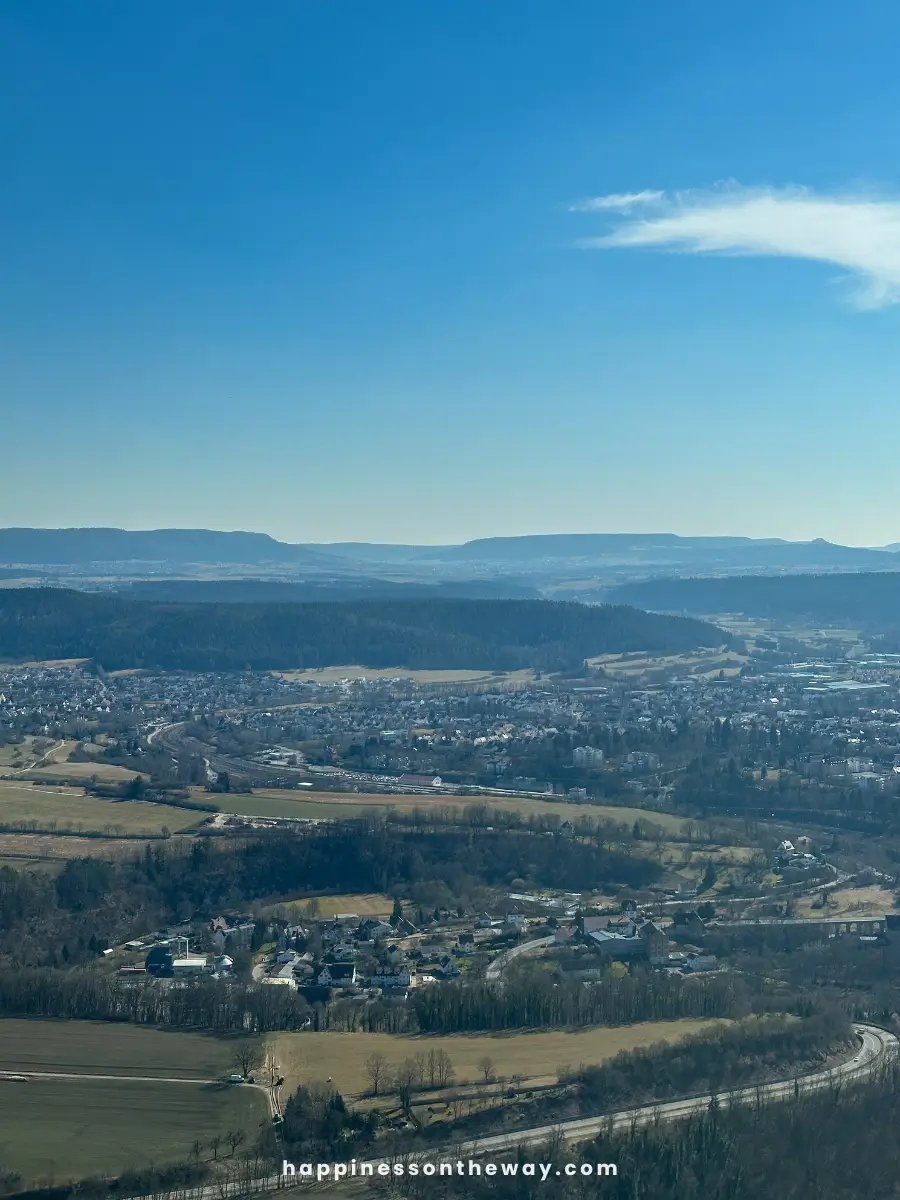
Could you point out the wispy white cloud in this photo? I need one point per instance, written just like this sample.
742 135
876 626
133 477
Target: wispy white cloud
619 203
859 234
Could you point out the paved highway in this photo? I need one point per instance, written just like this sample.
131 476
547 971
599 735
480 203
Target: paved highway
877 1047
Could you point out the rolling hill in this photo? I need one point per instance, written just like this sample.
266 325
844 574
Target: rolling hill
54 623
866 600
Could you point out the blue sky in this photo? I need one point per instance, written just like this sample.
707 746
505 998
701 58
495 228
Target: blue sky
430 271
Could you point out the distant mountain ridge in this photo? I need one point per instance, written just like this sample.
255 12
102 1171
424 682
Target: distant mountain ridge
69 547
553 565
669 548
77 546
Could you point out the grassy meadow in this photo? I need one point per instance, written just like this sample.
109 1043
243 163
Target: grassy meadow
535 1056
311 804
71 809
62 1128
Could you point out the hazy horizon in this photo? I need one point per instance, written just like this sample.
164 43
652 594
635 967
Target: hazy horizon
351 541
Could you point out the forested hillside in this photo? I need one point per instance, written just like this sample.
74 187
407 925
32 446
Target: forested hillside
93 901
863 599
116 632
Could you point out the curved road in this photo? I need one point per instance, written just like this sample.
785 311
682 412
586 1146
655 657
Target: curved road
877 1048
502 961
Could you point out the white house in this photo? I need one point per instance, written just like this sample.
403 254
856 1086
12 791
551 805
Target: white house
400 976
337 975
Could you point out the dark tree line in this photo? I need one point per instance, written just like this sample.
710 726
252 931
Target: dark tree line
733 1056
117 632
80 994
529 1002
836 1144
534 1001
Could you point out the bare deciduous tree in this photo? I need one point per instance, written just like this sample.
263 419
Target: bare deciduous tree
376 1068
247 1056
407 1078
235 1138
443 1068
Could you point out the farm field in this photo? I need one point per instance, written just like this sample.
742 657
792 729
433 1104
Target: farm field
108 772
55 765
63 1128
309 804
71 809
702 663
336 674
277 804
53 850
103 1048
363 904
342 1056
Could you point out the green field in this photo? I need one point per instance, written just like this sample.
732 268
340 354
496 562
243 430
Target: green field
101 1048
59 1129
364 904
103 771
308 804
71 809
281 806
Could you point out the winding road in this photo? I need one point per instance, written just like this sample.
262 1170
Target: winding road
877 1049
502 961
